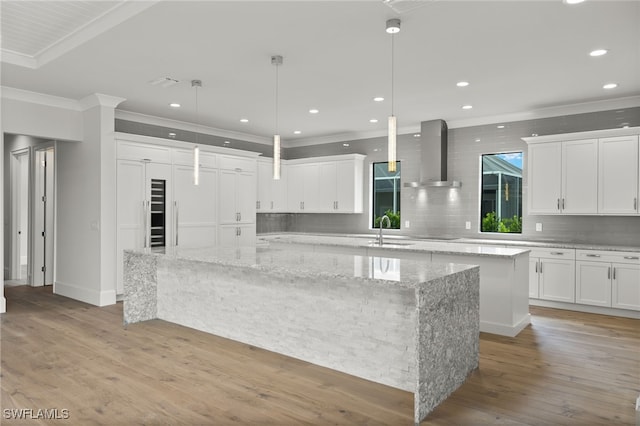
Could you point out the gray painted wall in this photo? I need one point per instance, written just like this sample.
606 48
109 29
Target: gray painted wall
444 211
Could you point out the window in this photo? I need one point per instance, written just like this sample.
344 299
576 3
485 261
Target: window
501 197
386 194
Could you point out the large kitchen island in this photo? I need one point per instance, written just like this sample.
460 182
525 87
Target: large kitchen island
413 325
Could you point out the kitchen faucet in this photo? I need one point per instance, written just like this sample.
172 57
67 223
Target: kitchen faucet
388 226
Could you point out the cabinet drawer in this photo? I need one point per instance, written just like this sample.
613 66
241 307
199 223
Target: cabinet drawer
553 253
140 151
184 157
234 163
608 256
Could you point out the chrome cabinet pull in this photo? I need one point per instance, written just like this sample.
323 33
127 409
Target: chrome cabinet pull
541 266
558 204
635 203
593 255
563 204
536 267
239 216
557 253
609 272
614 273
239 231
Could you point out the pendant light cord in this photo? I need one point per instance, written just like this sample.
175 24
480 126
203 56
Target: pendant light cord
392 72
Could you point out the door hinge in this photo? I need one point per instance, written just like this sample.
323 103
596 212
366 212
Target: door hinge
44 198
43 233
43 269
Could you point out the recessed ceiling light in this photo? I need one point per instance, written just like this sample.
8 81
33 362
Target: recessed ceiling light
314 111
467 106
175 105
345 144
478 140
373 120
378 99
416 135
501 126
227 142
244 120
598 52
462 83
610 86
172 135
376 150
573 1
297 132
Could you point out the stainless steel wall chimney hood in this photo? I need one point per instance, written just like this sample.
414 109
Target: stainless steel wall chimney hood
433 157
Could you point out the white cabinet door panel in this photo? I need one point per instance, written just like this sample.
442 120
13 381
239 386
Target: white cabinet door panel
545 178
593 283
580 177
626 286
195 207
557 280
618 175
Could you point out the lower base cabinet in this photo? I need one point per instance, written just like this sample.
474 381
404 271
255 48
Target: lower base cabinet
609 279
552 274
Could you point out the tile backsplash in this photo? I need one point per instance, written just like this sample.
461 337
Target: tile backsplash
444 211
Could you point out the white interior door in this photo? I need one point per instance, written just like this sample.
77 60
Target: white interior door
44 207
19 215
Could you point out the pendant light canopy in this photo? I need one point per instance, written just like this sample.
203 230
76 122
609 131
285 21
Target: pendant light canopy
393 27
277 61
196 150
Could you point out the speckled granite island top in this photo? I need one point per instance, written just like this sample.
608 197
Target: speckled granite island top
302 263
410 324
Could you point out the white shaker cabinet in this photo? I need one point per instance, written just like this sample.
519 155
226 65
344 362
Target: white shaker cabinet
303 185
618 175
272 194
608 278
237 201
332 184
545 177
195 206
554 274
144 215
563 177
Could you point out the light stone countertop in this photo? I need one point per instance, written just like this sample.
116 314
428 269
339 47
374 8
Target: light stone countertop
302 263
435 244
395 243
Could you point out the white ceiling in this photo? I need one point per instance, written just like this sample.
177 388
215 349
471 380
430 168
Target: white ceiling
520 57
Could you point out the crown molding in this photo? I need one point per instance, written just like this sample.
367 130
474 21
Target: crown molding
555 111
16 58
190 127
349 136
40 98
98 99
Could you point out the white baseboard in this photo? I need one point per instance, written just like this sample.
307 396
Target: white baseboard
503 329
586 308
87 295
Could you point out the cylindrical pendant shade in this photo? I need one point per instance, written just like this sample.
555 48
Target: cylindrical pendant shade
391 156
196 165
276 157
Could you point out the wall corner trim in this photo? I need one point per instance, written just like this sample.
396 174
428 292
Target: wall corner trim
99 99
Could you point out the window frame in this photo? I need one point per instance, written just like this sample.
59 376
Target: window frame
481 191
372 195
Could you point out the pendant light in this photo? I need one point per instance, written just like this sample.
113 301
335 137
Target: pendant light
277 61
196 150
393 27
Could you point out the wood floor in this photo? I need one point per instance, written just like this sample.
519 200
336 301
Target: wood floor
566 368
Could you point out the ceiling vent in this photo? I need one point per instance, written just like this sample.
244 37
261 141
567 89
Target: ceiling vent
164 81
404 6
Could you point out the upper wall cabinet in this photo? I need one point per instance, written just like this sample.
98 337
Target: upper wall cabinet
588 173
272 194
331 184
618 179
563 177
